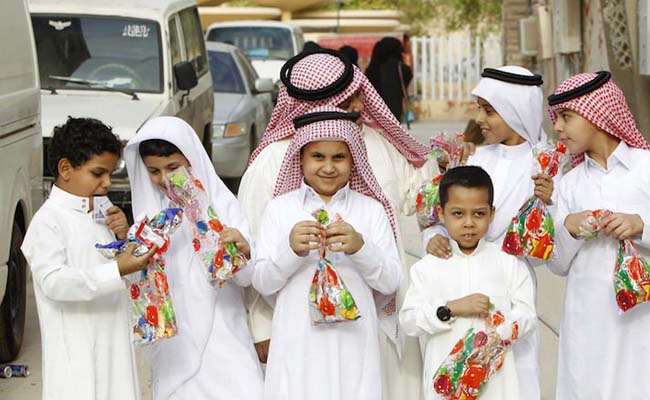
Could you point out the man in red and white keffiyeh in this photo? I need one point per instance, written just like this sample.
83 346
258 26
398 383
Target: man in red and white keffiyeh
397 160
317 173
604 106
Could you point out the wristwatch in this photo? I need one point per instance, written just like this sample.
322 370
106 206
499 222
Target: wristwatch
443 313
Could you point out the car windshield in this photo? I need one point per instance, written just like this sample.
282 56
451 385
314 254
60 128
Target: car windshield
257 42
98 53
225 74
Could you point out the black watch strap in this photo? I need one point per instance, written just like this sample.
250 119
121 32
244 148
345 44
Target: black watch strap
443 313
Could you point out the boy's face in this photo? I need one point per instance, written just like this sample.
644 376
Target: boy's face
574 131
92 178
159 167
326 166
493 128
467 216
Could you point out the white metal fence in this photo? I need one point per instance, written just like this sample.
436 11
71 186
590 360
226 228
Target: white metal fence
448 67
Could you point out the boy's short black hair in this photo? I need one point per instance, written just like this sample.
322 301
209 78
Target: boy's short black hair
78 140
158 148
467 177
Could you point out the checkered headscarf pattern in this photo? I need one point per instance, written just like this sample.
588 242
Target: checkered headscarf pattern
319 70
362 179
604 107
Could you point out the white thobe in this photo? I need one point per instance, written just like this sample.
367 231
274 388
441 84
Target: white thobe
510 168
435 281
82 302
398 180
324 362
603 351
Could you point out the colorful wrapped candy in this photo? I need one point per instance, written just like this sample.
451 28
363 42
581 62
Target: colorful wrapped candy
152 311
475 359
445 145
187 192
592 225
329 299
631 277
531 232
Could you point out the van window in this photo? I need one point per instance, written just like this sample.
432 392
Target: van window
249 71
225 74
256 42
194 44
174 43
98 53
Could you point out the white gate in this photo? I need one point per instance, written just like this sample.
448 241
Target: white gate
448 67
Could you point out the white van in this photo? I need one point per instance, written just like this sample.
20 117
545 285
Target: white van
268 44
122 62
21 166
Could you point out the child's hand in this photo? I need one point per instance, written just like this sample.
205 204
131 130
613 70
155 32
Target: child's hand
474 305
232 235
305 236
439 247
622 226
117 222
342 232
573 222
127 263
262 349
543 187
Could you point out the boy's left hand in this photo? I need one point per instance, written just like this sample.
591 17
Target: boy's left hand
622 226
117 222
346 238
543 186
232 235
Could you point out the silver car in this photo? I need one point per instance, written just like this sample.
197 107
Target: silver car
242 108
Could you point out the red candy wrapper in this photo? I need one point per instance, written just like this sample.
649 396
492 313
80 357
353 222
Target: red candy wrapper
475 359
187 192
532 232
592 225
447 147
152 311
329 299
631 277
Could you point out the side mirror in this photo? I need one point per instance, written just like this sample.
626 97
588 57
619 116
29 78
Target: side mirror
263 85
185 75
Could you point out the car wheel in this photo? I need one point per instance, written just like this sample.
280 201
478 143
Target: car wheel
12 308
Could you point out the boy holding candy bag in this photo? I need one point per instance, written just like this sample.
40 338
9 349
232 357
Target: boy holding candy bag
602 350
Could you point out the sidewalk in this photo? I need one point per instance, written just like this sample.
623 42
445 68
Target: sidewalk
550 288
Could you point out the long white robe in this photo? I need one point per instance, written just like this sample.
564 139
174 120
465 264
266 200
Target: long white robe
212 356
324 362
435 281
398 179
83 304
603 351
510 168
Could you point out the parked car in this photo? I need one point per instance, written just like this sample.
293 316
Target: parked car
21 166
268 44
242 108
122 62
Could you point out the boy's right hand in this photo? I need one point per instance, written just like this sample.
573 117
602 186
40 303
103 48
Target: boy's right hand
474 305
305 237
573 222
128 263
439 247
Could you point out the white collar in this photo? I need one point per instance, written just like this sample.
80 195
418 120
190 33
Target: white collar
307 192
513 152
457 251
68 200
621 155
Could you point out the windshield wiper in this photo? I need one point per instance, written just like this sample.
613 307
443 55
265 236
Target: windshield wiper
94 84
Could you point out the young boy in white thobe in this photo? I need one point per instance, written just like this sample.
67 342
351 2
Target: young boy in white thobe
510 102
447 296
603 351
325 167
398 162
82 302
212 357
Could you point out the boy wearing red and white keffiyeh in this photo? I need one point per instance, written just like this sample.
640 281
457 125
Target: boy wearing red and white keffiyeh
326 167
602 351
398 162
